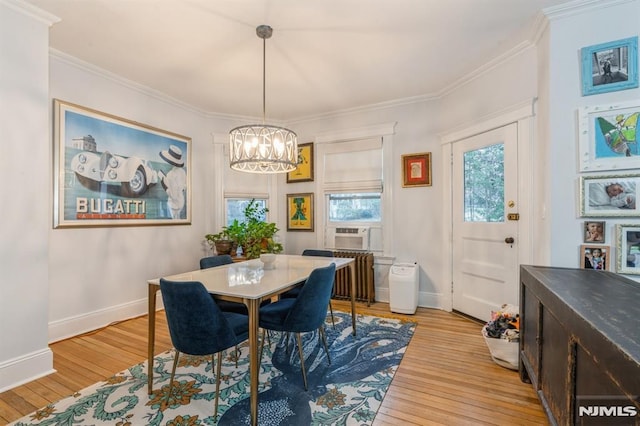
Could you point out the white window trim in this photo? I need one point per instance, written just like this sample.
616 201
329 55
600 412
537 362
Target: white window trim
384 131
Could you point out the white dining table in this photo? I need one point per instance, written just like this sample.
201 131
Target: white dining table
250 283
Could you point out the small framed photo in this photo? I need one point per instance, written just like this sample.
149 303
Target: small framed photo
609 67
594 231
628 249
416 169
594 257
607 196
304 171
300 212
608 137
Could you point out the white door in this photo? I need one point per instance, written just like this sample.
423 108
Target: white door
485 222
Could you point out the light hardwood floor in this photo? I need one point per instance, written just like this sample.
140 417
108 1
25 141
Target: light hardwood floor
446 376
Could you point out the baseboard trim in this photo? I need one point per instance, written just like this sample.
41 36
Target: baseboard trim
74 326
32 366
425 299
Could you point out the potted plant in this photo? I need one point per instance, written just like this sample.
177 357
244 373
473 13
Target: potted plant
253 234
221 242
258 235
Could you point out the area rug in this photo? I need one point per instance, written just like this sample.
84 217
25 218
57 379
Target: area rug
348 391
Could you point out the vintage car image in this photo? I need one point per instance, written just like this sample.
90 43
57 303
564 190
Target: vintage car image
132 174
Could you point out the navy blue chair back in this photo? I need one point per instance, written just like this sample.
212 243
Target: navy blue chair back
197 326
309 311
315 252
213 261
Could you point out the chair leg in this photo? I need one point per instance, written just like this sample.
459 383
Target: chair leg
237 355
173 373
323 337
300 352
218 368
286 343
333 320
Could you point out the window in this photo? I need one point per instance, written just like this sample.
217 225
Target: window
235 208
484 184
355 207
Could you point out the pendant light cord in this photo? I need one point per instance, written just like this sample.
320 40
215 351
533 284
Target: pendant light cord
264 79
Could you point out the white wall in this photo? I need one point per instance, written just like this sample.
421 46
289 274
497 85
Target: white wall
416 219
99 275
493 89
24 212
567 35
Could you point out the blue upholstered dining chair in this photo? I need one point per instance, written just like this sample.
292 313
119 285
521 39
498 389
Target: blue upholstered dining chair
225 305
302 314
213 261
198 327
296 290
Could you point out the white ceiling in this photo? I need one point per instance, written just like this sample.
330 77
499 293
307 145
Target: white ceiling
324 55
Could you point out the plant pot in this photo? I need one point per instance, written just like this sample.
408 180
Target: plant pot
223 247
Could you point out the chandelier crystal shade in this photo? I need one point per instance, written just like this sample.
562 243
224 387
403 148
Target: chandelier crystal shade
261 148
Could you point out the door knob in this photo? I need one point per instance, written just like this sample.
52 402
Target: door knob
509 240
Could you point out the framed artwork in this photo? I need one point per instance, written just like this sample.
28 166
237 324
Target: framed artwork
595 257
304 171
109 171
628 249
612 195
594 231
609 67
608 137
416 169
300 212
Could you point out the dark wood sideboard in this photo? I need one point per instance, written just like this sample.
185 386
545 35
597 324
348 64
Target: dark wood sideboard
580 344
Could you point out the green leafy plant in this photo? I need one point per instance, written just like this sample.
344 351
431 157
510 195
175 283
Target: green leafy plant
258 233
253 234
221 241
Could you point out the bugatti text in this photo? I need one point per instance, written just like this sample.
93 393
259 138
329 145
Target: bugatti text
107 208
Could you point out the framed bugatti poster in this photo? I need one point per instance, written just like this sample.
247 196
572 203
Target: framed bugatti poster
109 171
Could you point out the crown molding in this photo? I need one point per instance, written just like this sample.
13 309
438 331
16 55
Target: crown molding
145 90
576 7
538 28
32 11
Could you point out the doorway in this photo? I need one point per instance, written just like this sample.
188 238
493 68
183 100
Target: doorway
488 210
485 222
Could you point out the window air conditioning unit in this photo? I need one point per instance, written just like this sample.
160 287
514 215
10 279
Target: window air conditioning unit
354 238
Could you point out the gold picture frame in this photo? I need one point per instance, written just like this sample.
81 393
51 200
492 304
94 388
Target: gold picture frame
628 249
110 171
304 171
416 169
300 213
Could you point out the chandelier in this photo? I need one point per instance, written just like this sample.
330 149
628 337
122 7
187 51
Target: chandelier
261 148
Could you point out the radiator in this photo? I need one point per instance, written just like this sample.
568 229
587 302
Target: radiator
365 290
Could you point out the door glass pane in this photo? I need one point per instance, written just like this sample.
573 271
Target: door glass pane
484 184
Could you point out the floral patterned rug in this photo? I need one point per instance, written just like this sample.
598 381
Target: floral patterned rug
348 391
